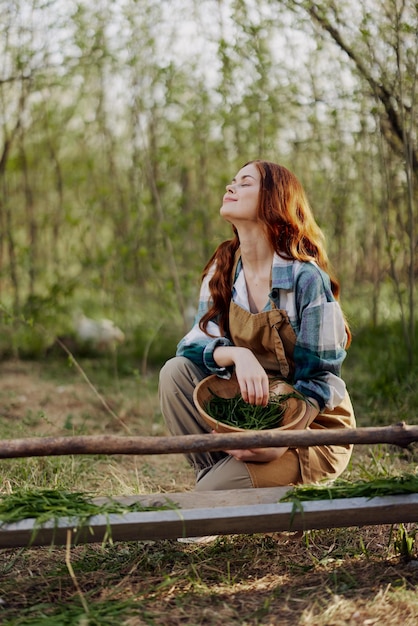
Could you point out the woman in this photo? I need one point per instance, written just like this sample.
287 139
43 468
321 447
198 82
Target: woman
268 306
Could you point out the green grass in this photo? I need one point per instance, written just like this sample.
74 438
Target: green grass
51 504
381 382
109 613
341 488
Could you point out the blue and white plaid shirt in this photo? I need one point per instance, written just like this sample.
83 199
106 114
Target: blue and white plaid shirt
303 290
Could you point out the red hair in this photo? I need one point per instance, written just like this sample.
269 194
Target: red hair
291 229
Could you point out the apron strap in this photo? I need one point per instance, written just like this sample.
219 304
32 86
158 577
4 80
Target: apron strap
276 320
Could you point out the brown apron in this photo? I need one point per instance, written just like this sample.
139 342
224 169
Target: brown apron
270 336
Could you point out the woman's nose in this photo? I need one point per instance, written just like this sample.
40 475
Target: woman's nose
230 188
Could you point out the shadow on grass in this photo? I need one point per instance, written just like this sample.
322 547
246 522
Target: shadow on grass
260 579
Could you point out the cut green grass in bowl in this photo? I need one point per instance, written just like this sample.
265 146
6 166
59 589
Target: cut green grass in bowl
221 405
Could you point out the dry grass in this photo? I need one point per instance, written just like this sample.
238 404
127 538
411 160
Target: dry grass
325 578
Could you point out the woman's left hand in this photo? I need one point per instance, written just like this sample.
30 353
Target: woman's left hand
257 455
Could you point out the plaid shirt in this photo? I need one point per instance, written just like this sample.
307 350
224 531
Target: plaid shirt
303 290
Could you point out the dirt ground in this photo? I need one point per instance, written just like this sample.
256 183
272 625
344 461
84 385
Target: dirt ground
25 393
37 399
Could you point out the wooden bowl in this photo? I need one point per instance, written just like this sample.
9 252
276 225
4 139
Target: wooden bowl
213 385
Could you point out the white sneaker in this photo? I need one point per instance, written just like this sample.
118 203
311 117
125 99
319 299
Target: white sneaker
198 540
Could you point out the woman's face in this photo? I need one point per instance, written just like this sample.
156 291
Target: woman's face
241 198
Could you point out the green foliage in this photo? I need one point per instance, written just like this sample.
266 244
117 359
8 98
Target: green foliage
42 317
382 384
404 542
114 181
30 342
156 345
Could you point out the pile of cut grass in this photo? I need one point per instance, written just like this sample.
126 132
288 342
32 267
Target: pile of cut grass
237 412
45 505
380 486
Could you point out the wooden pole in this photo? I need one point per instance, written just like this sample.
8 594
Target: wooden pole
399 434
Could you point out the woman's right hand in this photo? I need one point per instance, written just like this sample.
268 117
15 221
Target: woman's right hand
252 378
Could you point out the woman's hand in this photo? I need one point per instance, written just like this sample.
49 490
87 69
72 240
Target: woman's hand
251 376
257 455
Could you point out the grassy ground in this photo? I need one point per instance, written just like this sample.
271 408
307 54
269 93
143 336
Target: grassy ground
332 577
